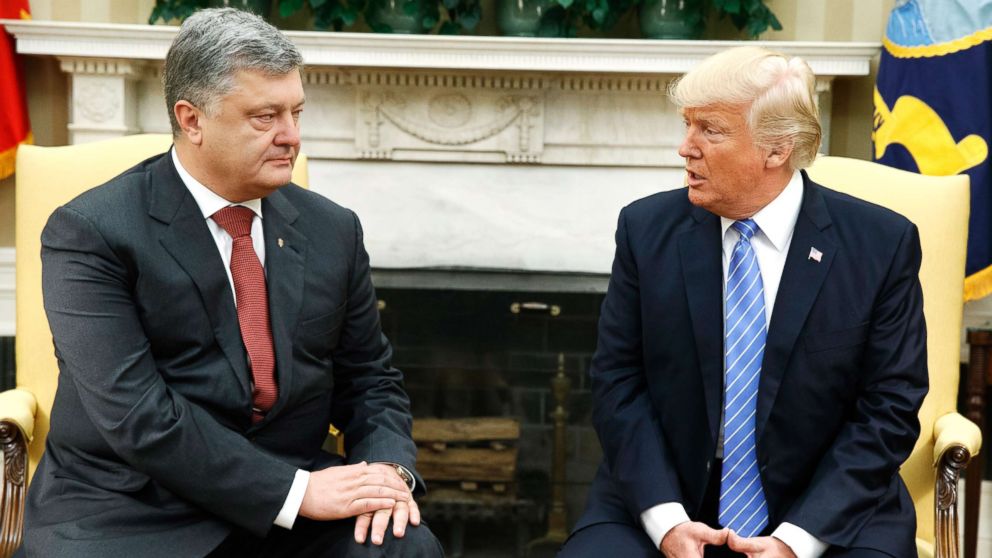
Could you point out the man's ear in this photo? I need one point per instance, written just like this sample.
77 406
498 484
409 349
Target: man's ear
189 118
778 156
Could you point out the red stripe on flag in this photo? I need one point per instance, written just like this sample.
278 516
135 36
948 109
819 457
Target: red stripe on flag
15 128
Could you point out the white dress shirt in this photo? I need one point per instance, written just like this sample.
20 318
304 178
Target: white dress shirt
776 223
210 203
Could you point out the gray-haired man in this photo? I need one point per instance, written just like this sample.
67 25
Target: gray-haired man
211 320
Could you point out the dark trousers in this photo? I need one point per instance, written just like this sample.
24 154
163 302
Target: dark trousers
630 540
328 539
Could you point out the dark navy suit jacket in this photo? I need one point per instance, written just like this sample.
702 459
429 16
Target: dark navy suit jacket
843 376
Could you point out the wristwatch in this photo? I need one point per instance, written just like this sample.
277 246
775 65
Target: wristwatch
404 475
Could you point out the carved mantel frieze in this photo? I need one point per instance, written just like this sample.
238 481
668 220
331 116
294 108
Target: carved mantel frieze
455 117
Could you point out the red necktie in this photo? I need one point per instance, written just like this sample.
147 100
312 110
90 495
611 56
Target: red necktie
253 305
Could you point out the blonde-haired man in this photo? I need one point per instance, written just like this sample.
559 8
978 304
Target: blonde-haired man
762 349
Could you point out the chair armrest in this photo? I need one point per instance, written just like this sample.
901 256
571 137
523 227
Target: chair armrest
17 409
19 406
956 441
953 429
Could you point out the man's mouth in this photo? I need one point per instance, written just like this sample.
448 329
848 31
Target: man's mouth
693 179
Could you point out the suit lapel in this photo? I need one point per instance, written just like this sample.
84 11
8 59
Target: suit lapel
189 242
797 291
702 269
285 257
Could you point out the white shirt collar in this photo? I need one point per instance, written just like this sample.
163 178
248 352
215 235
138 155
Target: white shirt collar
778 219
206 199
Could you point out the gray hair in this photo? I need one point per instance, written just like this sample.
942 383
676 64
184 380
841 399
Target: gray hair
777 91
212 46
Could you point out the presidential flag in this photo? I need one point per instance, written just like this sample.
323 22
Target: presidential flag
933 108
14 126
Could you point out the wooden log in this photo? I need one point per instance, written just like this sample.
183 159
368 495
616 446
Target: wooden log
483 429
467 464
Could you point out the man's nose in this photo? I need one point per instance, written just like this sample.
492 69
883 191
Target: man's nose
688 149
289 132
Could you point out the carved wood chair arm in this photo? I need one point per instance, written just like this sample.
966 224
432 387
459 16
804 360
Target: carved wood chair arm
15 461
957 440
17 411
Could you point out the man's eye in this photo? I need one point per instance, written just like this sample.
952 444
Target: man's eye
265 117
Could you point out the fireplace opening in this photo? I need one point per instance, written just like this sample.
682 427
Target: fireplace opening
474 353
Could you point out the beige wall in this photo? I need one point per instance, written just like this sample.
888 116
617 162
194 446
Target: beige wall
7 212
113 11
805 20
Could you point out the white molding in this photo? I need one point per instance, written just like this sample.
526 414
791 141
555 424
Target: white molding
373 50
554 136
7 318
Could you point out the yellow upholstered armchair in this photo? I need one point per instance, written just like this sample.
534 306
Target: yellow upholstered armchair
46 178
948 441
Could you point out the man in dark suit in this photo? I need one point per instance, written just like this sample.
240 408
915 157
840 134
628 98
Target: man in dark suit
211 320
762 348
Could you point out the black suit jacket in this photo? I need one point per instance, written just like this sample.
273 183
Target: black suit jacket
152 451
843 375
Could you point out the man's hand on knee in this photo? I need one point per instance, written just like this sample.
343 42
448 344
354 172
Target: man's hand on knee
352 490
403 512
759 547
687 540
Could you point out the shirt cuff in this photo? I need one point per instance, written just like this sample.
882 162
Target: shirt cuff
803 544
660 519
291 508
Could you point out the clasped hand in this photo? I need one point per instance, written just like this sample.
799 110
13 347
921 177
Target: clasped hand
371 493
688 540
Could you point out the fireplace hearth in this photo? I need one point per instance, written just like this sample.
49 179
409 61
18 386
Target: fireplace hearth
493 353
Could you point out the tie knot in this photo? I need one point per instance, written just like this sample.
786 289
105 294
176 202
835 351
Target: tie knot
236 220
746 228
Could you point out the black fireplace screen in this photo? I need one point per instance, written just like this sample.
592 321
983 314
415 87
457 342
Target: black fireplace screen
494 354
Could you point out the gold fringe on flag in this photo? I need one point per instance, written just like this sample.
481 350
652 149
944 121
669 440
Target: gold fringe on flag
978 285
8 158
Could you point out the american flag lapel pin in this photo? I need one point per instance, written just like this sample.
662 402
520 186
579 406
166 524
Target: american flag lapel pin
815 254
281 243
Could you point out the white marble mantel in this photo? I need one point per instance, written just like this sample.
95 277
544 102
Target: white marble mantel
482 153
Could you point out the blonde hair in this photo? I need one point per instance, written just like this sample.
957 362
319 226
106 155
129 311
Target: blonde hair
777 90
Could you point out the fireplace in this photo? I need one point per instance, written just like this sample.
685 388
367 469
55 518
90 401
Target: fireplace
480 352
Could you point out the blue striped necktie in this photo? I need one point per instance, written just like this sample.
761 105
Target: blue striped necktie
742 500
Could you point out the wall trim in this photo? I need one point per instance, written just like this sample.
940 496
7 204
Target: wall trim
375 50
7 266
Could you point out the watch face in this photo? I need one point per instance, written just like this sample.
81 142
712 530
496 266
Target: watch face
403 475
